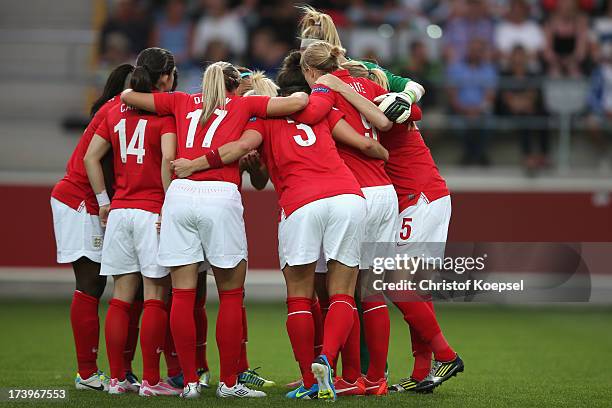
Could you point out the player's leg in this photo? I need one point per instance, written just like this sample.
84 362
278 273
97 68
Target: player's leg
132 340
201 321
116 330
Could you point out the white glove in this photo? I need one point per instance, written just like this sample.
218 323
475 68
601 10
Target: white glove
415 90
396 106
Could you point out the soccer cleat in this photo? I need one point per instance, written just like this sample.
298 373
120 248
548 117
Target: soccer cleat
251 378
97 382
131 377
161 388
191 390
324 374
204 378
442 371
176 381
117 387
238 391
376 388
411 385
345 388
304 393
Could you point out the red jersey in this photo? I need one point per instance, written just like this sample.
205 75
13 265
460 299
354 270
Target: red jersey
411 167
369 172
224 126
303 162
74 188
136 141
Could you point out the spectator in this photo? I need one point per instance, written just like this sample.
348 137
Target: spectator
602 32
471 84
567 40
600 106
173 31
267 52
471 22
421 68
517 30
219 23
127 20
520 97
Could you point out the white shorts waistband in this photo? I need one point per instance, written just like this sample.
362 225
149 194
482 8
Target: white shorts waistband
203 188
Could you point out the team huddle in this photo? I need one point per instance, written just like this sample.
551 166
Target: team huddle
152 198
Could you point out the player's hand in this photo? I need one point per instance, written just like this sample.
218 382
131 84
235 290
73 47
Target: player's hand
250 161
103 214
182 167
332 82
396 106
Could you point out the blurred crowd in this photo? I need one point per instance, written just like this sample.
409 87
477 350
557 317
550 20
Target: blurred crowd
478 59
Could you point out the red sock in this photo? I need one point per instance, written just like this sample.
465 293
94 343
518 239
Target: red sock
351 357
152 338
338 325
201 322
86 332
300 327
183 329
229 334
376 327
115 332
317 317
420 316
132 338
243 363
422 356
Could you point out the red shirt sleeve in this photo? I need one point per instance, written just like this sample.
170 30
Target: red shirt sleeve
165 102
256 124
334 117
168 125
103 131
322 99
258 105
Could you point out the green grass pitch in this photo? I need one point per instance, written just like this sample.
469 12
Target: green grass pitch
514 356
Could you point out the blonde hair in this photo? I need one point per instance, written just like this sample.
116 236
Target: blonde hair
262 85
318 26
219 79
322 56
359 70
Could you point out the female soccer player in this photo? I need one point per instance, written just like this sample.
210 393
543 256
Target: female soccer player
143 146
425 209
78 236
354 101
322 207
203 214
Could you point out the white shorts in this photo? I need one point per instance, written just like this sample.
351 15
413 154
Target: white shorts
330 226
202 221
131 244
423 228
77 233
379 226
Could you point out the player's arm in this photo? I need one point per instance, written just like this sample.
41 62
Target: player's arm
98 147
140 100
344 133
399 84
168 149
258 172
370 111
216 158
320 103
279 106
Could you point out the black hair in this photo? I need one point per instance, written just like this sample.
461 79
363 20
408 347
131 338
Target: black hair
290 78
114 85
151 64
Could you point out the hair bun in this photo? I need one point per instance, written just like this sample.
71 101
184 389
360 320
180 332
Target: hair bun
336 51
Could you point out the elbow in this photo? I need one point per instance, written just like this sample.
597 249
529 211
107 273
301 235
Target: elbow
125 96
384 124
300 101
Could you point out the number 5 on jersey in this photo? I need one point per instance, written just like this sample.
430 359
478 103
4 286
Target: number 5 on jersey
138 138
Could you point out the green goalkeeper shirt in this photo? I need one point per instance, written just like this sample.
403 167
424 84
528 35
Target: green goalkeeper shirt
396 83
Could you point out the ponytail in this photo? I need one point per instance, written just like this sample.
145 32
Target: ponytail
219 79
315 25
151 64
116 82
141 80
323 56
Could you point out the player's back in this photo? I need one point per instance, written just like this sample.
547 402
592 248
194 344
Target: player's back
135 137
303 162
